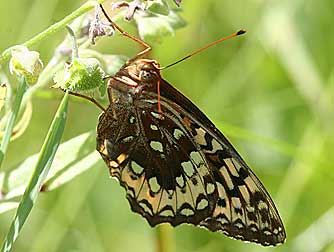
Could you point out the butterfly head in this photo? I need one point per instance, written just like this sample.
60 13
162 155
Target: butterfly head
144 70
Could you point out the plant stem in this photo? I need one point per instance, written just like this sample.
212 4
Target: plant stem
75 51
165 239
12 118
54 28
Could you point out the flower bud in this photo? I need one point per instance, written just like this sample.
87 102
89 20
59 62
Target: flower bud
83 74
25 63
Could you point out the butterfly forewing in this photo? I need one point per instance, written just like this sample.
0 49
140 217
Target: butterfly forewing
177 167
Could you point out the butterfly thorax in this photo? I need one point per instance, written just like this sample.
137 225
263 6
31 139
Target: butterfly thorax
132 79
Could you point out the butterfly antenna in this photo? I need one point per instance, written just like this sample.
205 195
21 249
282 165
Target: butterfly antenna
205 47
147 47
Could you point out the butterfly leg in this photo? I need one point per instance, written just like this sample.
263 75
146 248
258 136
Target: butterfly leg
147 47
91 99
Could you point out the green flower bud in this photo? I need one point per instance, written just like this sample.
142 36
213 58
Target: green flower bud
83 74
25 63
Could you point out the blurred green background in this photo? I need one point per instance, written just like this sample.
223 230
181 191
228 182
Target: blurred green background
270 92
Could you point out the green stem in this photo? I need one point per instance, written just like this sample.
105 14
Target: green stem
165 238
12 118
54 28
75 51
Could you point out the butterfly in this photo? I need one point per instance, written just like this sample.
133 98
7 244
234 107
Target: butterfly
174 164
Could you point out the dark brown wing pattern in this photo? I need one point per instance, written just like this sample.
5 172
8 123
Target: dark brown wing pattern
180 169
257 219
164 175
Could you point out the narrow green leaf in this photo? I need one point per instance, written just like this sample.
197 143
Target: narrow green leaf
42 167
76 169
12 118
69 153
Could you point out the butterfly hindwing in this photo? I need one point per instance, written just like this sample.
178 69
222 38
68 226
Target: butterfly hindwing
163 172
244 209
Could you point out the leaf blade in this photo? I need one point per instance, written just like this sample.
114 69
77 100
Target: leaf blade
42 167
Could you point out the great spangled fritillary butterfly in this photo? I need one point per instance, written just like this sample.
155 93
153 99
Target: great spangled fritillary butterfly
174 164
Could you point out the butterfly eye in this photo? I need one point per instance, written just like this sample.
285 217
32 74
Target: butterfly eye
146 75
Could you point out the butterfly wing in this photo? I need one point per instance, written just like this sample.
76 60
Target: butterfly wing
166 178
179 168
244 209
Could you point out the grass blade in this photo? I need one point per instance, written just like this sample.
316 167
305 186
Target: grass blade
12 118
70 154
42 167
